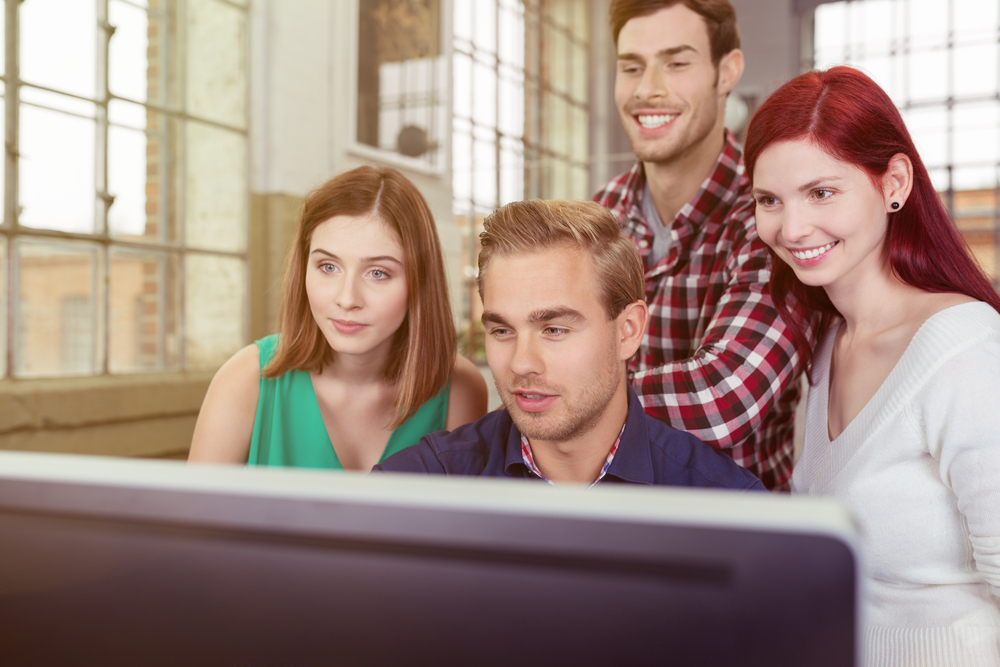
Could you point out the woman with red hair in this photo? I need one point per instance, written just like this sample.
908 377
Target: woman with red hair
903 416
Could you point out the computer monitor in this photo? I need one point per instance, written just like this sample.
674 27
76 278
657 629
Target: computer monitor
112 561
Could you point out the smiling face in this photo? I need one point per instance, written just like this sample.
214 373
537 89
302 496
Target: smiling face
356 284
556 359
669 94
823 217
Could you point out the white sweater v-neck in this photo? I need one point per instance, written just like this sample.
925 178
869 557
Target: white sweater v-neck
919 468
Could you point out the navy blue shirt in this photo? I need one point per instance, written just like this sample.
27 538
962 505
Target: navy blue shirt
650 452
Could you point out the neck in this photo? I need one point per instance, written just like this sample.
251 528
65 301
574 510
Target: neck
674 182
580 459
358 369
873 303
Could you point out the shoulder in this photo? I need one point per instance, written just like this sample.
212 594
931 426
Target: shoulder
267 345
617 192
467 450
681 459
244 366
965 331
467 394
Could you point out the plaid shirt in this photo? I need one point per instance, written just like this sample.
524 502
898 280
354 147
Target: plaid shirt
529 459
716 360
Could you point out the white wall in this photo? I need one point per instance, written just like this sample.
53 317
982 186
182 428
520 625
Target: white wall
769 31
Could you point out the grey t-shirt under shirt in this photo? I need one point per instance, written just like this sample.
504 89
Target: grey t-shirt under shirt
662 238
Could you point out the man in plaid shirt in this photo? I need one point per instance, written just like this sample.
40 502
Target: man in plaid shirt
716 360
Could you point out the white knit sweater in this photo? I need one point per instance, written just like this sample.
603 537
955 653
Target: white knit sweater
919 468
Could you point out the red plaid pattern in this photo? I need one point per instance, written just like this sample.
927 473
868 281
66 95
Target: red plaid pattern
716 360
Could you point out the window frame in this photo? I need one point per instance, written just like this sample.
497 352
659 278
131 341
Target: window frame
11 230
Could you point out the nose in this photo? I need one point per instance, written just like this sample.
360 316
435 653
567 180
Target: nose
794 224
349 296
526 358
652 85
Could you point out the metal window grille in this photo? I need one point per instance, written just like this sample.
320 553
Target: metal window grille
520 73
123 243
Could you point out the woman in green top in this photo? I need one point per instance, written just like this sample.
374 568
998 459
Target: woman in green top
365 363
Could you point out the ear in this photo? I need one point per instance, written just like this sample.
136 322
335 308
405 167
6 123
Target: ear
729 72
897 181
631 326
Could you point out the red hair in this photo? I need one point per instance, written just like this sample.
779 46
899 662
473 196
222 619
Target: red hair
846 114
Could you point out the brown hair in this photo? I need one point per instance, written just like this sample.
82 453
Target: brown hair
423 349
530 226
719 15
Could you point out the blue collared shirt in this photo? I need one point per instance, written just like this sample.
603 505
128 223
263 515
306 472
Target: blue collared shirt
650 452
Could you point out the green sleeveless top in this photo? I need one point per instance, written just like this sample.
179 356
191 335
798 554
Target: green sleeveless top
289 431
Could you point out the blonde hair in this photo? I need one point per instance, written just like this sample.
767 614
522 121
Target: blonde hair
530 226
423 349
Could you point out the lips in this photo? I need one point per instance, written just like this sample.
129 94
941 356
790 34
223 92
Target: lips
530 401
811 256
348 326
654 121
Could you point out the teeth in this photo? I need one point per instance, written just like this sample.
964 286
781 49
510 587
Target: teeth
650 122
815 252
533 396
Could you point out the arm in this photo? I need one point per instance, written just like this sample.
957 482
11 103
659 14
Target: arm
225 422
962 425
744 364
467 397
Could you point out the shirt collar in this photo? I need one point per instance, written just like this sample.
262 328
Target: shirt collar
529 458
722 186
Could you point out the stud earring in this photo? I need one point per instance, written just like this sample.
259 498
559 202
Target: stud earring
895 206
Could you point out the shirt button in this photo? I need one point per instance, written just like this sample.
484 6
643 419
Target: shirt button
644 243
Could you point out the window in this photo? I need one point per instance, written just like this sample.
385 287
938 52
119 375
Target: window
938 61
520 110
124 233
402 80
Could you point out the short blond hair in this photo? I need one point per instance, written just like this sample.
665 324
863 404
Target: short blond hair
531 226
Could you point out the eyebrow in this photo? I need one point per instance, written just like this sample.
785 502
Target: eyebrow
662 53
757 192
378 259
536 316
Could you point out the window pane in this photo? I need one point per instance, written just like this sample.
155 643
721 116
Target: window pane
136 60
976 136
402 78
57 187
216 39
214 309
216 188
142 320
138 179
975 70
55 51
56 315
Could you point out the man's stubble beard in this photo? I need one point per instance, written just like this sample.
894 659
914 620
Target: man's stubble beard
581 418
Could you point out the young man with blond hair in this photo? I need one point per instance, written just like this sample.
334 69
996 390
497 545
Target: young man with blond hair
562 294
716 361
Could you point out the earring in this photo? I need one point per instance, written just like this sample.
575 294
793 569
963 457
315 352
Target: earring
895 206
